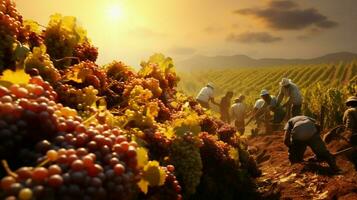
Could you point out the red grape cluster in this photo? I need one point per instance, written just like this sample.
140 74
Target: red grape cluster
157 143
209 125
119 71
73 174
214 151
85 52
93 162
222 175
27 115
85 74
226 133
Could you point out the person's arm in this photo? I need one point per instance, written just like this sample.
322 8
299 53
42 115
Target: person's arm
287 137
280 95
261 110
213 101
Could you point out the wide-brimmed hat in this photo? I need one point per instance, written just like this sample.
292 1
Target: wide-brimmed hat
285 82
351 99
264 92
210 85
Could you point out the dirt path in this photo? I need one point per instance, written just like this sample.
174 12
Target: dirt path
308 180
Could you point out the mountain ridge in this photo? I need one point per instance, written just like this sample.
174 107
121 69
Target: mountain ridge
199 62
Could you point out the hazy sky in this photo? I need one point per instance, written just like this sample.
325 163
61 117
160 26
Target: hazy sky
131 30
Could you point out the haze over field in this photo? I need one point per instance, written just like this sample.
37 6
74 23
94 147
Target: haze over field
130 30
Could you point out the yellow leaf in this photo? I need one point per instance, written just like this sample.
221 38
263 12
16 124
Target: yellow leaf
143 185
15 77
154 174
142 156
234 154
32 26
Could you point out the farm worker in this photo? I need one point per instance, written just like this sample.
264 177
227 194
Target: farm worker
224 106
271 104
290 90
259 119
238 113
350 122
302 131
206 95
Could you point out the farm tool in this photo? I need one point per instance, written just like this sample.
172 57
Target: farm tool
335 134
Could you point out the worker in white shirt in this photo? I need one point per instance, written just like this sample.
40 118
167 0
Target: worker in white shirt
238 113
206 95
259 119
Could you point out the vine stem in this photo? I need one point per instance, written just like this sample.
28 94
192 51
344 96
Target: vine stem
7 169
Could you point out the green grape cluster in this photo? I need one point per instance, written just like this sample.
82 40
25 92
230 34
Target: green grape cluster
185 156
40 60
79 99
147 83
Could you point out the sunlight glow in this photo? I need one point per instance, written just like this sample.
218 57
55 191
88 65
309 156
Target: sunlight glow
115 12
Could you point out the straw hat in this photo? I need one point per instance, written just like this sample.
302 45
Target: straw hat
210 85
351 99
264 92
285 82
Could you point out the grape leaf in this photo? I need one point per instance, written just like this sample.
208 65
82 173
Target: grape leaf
154 174
234 154
32 26
14 77
142 156
143 185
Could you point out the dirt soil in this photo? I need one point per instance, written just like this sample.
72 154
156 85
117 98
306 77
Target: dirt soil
307 180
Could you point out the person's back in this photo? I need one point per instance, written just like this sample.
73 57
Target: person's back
293 93
205 95
224 107
302 127
302 131
350 119
238 111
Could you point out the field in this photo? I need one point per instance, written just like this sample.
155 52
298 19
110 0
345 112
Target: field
250 81
324 86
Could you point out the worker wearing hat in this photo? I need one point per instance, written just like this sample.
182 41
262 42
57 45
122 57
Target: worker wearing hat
290 90
238 113
271 104
350 122
206 95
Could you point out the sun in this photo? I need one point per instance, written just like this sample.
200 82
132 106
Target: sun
115 12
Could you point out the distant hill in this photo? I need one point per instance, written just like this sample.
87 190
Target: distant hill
228 62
